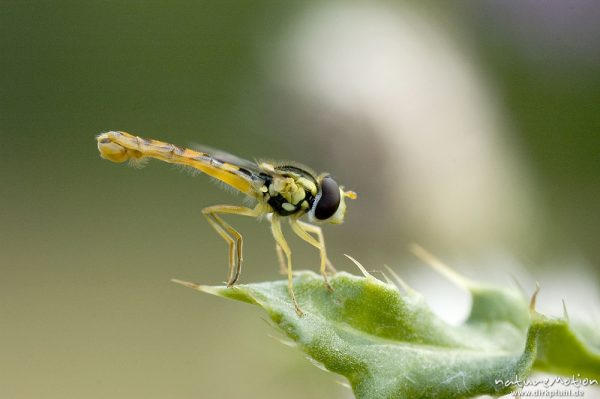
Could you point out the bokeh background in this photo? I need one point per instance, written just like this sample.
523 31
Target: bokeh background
472 128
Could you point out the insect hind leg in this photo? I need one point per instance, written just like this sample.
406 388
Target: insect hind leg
229 234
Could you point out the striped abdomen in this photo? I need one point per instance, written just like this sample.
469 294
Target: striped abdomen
117 146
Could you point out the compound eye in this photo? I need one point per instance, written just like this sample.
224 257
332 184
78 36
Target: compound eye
330 199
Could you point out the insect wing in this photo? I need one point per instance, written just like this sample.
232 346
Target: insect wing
244 169
226 157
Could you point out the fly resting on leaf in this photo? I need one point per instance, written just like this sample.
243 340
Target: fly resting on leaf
280 190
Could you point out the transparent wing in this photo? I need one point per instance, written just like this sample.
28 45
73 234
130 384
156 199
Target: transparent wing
226 157
244 176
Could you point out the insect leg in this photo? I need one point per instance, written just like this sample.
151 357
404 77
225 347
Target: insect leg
230 242
281 259
282 243
280 255
229 234
311 228
300 229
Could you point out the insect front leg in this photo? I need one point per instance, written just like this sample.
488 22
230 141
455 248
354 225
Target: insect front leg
229 234
282 243
302 230
311 228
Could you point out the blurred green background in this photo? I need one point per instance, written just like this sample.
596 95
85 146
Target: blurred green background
88 247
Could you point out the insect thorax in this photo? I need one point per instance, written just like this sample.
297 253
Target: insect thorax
290 190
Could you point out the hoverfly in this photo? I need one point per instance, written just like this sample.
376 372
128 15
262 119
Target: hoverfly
281 190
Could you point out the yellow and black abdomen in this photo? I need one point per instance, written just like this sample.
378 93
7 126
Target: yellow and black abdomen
118 146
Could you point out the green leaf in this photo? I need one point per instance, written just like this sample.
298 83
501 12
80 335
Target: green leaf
389 344
566 348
